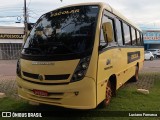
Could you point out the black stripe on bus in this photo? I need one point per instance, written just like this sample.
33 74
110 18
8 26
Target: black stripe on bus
40 83
57 77
56 57
115 47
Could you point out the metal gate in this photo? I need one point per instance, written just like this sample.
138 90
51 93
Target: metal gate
10 51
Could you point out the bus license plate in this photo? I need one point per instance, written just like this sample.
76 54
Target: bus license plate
40 92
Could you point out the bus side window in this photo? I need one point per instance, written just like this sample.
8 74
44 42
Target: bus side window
133 32
119 32
142 42
138 39
127 36
103 44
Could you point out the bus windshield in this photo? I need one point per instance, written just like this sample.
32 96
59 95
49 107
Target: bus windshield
64 31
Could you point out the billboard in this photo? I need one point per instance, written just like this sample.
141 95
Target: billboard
11 36
151 35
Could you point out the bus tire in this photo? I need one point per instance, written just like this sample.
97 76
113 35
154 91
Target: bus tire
135 77
108 96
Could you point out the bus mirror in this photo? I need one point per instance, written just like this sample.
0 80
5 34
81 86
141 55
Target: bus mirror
107 31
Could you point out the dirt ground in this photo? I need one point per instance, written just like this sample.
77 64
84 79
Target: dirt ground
8 67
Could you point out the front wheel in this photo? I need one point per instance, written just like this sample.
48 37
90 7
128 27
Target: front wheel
108 96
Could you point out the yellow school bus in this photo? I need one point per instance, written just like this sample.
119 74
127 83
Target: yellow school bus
77 56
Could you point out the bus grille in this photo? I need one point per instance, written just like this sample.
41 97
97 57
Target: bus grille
57 77
47 77
30 75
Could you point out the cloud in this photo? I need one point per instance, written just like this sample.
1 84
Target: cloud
142 12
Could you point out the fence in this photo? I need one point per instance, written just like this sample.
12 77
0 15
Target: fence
10 51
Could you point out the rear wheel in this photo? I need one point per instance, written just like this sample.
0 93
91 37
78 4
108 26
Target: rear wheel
135 77
137 73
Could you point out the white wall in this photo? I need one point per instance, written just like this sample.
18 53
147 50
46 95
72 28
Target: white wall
11 30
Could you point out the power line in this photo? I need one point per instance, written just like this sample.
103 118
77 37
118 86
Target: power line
33 12
10 7
29 4
37 10
9 16
7 21
34 17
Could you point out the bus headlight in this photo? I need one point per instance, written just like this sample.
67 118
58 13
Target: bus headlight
80 74
81 69
84 65
18 70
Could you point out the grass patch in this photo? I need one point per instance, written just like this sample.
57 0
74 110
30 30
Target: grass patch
127 99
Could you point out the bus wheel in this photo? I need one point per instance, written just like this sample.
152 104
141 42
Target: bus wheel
135 77
108 96
108 93
136 74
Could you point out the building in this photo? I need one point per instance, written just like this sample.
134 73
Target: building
11 40
151 39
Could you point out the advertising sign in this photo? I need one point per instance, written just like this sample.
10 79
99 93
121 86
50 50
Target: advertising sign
151 35
11 36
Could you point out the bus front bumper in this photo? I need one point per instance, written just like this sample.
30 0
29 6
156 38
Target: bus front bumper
77 95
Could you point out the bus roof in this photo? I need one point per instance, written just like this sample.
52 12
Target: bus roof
107 7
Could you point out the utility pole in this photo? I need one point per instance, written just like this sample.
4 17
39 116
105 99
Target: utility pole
25 20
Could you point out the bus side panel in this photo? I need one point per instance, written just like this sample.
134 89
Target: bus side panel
109 63
118 62
129 67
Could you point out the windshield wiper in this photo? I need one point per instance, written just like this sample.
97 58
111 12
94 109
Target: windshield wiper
33 49
61 44
71 50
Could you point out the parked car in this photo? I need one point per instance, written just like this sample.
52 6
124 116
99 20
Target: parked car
156 52
148 55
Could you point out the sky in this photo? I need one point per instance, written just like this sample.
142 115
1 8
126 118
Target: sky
144 13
